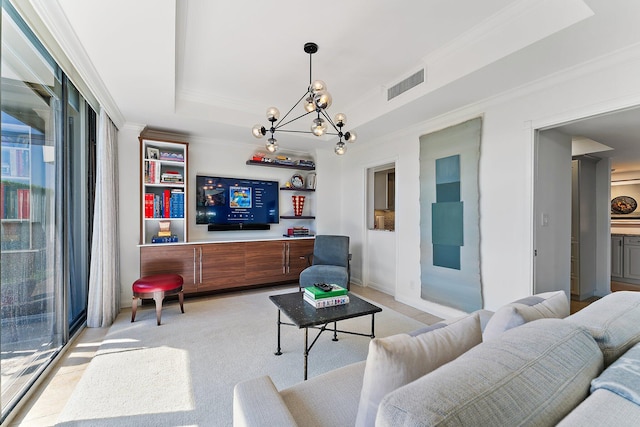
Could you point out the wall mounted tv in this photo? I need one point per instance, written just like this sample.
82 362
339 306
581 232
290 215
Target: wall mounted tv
236 203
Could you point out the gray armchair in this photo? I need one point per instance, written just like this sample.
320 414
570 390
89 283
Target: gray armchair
330 262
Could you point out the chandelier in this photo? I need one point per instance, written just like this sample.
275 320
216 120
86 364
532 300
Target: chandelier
315 101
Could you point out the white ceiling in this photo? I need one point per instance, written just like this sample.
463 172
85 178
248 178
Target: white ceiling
211 68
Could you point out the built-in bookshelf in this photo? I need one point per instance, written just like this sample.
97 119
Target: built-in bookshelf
163 191
16 189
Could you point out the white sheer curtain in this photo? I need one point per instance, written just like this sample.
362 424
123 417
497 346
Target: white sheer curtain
104 277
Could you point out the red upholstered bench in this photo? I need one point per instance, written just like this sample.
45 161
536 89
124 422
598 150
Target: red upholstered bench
156 287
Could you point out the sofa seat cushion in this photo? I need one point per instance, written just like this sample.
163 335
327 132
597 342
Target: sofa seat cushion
330 399
614 322
539 306
399 359
531 375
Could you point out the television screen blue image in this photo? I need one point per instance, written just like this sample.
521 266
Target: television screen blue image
224 201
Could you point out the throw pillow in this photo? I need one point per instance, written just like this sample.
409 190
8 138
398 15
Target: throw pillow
622 377
400 359
539 306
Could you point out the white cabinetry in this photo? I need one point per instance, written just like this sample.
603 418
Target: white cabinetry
616 255
631 266
625 258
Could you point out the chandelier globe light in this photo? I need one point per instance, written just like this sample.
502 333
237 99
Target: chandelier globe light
316 100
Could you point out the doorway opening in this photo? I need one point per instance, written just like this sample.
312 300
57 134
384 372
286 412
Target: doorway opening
602 150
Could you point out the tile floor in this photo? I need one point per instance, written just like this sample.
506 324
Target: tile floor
50 397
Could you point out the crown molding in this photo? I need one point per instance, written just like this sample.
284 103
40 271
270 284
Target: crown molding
86 76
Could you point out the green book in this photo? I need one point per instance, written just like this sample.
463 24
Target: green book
317 293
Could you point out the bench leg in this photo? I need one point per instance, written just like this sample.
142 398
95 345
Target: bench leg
134 308
158 297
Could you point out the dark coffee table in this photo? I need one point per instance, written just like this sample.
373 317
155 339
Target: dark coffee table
303 315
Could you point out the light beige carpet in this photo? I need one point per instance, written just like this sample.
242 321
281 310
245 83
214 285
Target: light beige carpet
182 373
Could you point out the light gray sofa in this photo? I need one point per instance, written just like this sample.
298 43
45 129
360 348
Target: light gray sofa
529 369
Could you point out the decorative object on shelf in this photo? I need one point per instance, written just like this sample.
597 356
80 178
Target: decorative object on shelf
298 205
153 153
623 205
297 181
311 181
164 228
316 100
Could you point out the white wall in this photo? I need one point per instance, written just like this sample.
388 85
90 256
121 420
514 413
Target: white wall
505 179
129 209
506 165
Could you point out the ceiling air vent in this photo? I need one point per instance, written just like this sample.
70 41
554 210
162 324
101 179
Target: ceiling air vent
405 85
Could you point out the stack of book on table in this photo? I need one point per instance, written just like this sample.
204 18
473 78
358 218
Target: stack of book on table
320 298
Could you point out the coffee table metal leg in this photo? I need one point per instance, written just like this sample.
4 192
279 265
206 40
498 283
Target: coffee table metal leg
278 352
335 331
373 322
306 351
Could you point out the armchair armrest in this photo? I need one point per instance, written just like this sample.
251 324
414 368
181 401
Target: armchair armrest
256 402
309 258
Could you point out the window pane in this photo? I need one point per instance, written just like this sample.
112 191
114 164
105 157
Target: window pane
31 332
79 219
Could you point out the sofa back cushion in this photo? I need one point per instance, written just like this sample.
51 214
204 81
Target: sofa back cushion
532 375
614 322
399 359
539 306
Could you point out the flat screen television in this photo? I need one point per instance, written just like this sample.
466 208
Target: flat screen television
236 203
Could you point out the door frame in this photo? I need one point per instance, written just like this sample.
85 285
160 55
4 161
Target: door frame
532 128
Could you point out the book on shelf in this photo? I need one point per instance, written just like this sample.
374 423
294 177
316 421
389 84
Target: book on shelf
148 205
176 204
171 177
167 239
317 293
298 231
171 156
23 203
151 172
326 302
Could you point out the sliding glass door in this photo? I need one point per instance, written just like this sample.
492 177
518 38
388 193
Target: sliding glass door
48 134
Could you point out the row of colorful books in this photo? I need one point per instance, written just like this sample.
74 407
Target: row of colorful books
320 298
14 203
169 204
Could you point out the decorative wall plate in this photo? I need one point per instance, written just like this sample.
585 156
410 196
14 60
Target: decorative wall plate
623 205
297 181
